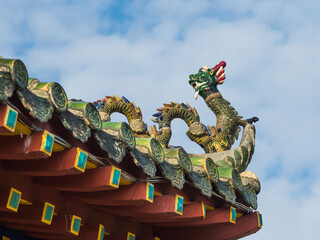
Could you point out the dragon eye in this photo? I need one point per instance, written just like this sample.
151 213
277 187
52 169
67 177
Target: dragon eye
211 72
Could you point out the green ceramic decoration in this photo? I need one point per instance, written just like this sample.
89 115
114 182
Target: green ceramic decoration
205 165
178 156
7 86
88 111
52 91
219 171
17 70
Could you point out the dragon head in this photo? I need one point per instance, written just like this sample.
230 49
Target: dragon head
206 80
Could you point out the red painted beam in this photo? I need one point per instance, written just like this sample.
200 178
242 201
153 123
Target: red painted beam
192 212
219 215
50 236
148 238
162 206
59 164
97 179
126 195
246 225
189 193
61 225
27 147
87 232
91 232
26 214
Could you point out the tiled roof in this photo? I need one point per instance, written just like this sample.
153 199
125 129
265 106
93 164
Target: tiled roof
64 162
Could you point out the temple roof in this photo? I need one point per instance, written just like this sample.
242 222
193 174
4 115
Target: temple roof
70 172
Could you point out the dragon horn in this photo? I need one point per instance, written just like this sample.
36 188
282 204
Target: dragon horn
174 103
168 105
189 107
161 109
117 98
195 111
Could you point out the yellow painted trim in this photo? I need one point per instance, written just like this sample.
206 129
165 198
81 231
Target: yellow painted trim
147 194
111 177
90 165
20 128
231 220
25 202
100 230
208 208
239 215
176 205
72 222
9 199
157 193
44 138
57 147
46 204
130 234
77 160
6 119
125 181
5 238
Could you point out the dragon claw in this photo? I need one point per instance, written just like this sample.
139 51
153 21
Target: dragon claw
252 120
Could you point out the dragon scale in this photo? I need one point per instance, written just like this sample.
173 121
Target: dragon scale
197 131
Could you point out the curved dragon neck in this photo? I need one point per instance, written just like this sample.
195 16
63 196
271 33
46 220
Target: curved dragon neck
129 109
228 119
197 131
213 92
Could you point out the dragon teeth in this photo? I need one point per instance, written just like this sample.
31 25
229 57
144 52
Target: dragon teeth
196 95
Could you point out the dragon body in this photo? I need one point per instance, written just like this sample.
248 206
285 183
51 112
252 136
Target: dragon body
215 140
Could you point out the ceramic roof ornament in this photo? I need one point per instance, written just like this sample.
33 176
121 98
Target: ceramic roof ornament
88 155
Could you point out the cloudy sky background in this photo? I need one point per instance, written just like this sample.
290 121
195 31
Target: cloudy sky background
145 50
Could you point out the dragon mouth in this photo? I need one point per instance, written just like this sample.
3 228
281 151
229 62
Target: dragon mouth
197 86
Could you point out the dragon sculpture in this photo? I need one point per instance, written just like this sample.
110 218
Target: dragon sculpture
216 141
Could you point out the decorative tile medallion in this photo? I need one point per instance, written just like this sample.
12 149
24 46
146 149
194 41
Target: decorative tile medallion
75 225
10 119
47 142
115 177
81 160
14 200
179 205
260 223
233 215
204 211
48 211
131 236
101 232
150 192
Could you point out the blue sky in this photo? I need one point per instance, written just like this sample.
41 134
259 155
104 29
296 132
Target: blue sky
145 50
